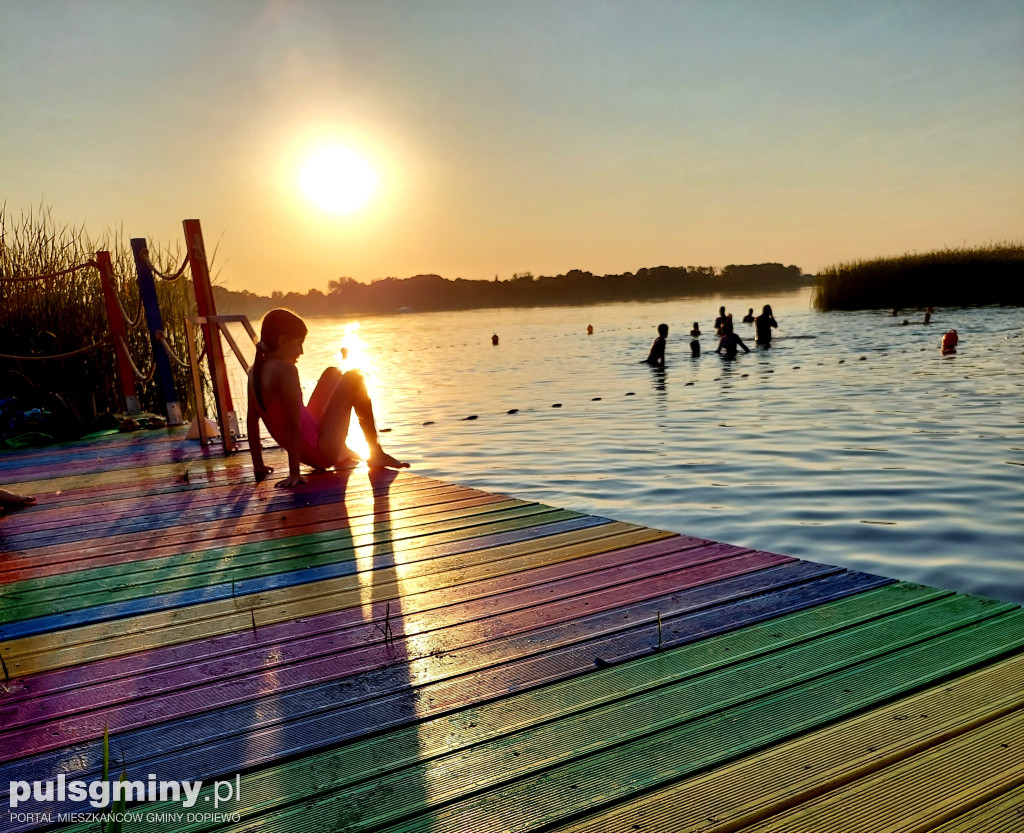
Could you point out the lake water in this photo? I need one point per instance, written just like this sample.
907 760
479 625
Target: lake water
852 441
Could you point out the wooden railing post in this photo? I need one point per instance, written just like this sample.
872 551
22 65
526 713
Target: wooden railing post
147 291
226 417
118 333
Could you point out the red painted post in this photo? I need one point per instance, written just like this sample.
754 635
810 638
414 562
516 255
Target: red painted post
211 333
118 333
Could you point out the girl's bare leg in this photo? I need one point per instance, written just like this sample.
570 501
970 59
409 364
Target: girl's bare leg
349 393
322 393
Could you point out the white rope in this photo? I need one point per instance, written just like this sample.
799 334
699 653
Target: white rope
139 375
132 322
88 264
92 346
159 335
144 256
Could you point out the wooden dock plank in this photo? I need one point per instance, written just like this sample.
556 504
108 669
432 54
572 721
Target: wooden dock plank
1002 814
389 651
788 775
466 562
623 717
932 787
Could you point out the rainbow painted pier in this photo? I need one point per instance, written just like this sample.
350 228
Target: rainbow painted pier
389 652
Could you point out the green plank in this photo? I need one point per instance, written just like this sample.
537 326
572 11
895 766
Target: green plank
601 780
330 548
617 688
615 734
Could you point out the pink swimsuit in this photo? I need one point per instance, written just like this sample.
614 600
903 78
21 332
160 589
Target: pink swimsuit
309 435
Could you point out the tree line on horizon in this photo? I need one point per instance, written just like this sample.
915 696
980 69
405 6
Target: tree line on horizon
432 293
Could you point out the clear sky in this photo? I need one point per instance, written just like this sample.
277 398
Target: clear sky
520 135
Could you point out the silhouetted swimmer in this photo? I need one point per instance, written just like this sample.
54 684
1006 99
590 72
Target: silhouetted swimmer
721 321
749 317
730 342
656 358
950 339
927 318
590 329
695 332
494 339
763 326
694 348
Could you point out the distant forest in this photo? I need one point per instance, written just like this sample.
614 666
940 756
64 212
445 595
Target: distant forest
427 293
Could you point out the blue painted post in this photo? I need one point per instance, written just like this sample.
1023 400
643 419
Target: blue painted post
147 291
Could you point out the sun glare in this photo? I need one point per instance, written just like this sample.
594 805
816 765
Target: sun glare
353 354
337 179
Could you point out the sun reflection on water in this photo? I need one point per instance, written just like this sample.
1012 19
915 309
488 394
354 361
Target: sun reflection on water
353 354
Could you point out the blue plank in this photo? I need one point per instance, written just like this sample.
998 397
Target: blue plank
234 738
245 587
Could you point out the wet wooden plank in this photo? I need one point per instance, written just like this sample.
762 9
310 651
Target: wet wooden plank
481 658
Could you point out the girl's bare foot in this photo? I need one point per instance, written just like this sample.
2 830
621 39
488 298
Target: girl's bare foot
348 459
382 460
9 500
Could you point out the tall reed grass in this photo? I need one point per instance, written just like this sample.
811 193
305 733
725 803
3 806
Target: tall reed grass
951 278
45 318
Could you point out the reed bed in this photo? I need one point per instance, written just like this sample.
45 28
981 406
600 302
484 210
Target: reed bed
66 313
991 274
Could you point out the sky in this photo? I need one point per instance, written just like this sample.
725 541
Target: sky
509 136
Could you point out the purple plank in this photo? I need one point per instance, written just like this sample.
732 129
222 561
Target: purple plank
359 660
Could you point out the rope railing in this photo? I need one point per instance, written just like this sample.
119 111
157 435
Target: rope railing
66 355
132 320
144 256
139 375
89 264
159 335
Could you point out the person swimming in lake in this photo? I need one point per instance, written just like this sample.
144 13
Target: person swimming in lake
730 342
695 331
749 317
763 326
656 358
313 434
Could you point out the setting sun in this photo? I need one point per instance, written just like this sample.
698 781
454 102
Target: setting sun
337 179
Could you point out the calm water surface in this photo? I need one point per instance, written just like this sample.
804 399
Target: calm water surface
852 441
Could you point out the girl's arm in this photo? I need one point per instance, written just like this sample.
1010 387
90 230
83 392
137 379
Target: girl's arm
252 427
291 392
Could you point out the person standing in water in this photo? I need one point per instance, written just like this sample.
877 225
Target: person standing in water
720 322
749 317
730 341
763 326
656 358
313 434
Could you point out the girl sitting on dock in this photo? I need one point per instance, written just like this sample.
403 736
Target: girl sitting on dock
313 434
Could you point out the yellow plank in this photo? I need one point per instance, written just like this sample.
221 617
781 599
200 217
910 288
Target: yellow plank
759 786
34 654
927 789
1004 814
